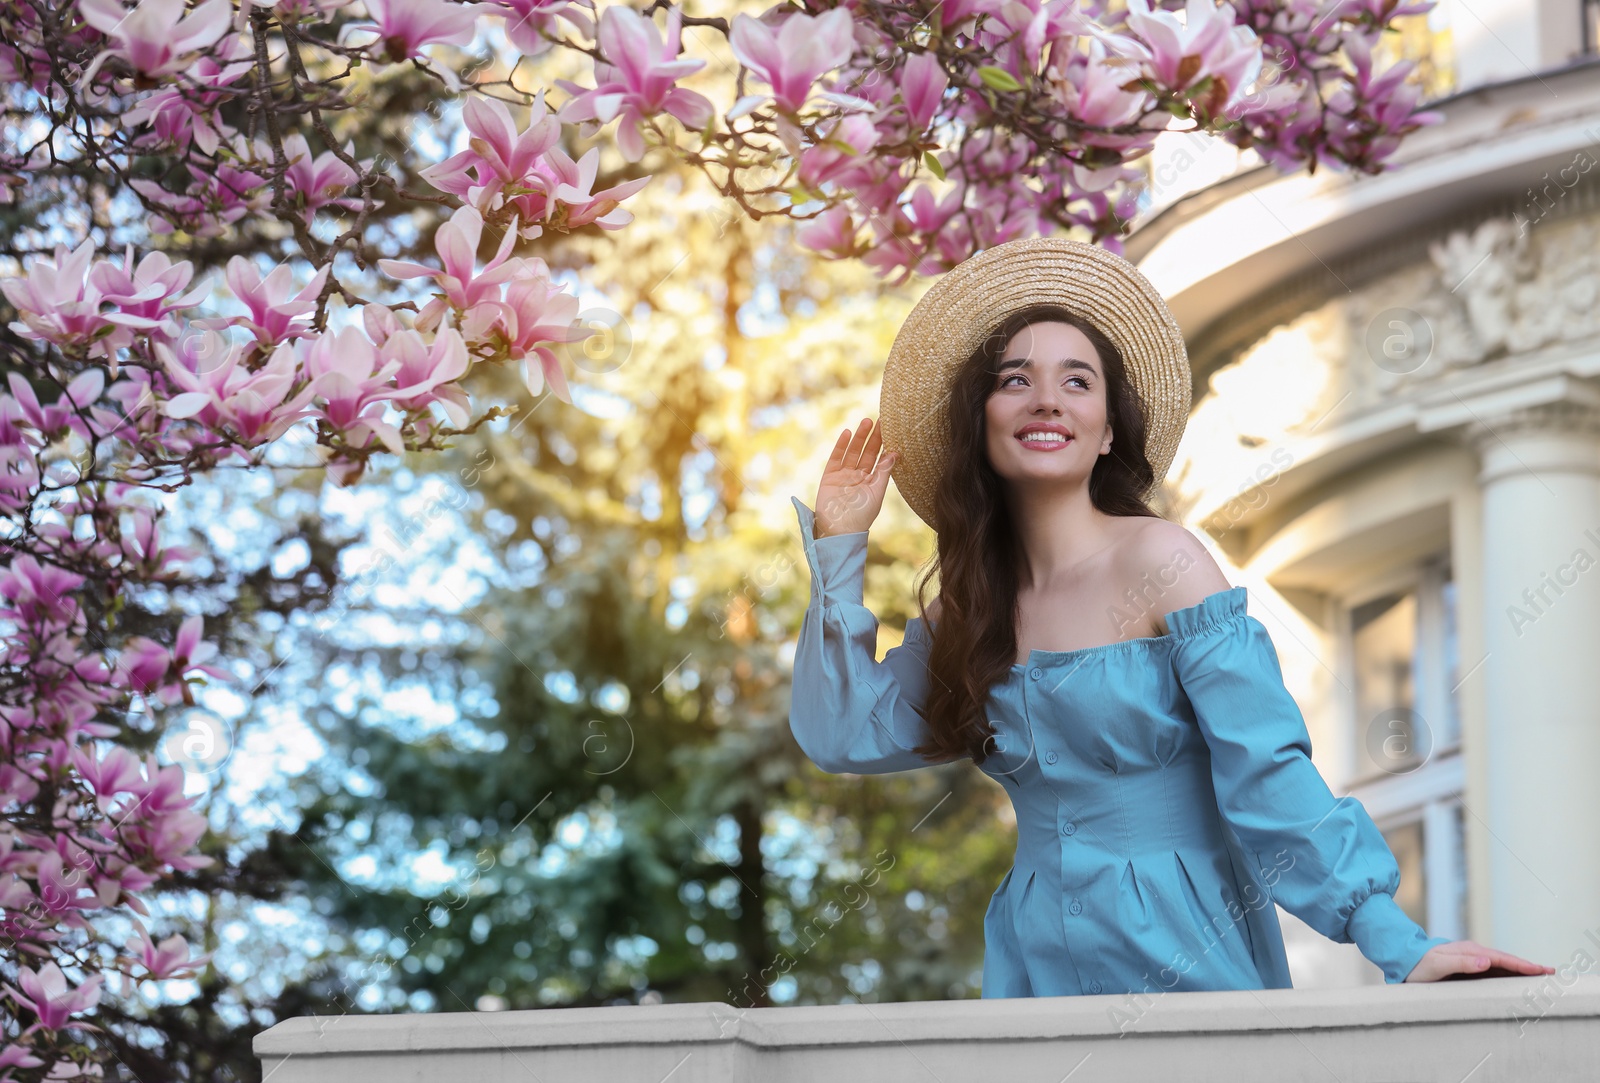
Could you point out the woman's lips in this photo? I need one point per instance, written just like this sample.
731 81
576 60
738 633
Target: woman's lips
1044 445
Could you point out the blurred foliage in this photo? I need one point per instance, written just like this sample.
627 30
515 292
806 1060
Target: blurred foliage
631 817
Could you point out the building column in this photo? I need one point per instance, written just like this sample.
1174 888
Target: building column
1540 486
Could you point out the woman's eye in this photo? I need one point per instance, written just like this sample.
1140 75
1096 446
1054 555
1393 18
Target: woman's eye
1005 381
1083 383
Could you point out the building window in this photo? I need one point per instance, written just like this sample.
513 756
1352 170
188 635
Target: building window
1404 731
1406 669
1591 26
1383 633
1427 843
1450 657
1406 842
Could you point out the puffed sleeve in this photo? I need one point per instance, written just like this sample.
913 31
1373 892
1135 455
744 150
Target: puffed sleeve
848 711
1321 858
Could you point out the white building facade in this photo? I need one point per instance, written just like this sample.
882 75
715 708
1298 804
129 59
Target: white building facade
1395 446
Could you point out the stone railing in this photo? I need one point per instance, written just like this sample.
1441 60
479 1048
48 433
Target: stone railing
1493 1029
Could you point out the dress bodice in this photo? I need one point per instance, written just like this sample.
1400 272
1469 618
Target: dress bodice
1164 793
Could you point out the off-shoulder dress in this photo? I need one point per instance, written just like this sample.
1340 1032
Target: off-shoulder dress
1164 792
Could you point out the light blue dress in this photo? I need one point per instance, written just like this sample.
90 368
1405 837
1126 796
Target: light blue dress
1164 795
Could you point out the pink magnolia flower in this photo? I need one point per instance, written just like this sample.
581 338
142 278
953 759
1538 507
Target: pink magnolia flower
228 193
62 415
133 408
117 773
188 211
993 156
573 202
19 477
275 315
153 840
39 595
536 312
177 115
163 833
60 889
928 213
342 469
832 233
221 194
406 27
17 786
954 13
227 397
309 9
528 20
530 171
792 59
46 993
319 182
426 372
1093 93
927 235
464 287
639 81
1031 25
141 547
1103 178
498 155
155 38
17 1056
923 82
161 795
380 322
351 378
23 58
839 156
169 959
880 196
1228 51
153 291
150 669
895 244
60 303
1375 110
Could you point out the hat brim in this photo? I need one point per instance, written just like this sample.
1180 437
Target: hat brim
948 323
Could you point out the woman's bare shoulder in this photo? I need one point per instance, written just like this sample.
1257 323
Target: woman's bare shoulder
1170 554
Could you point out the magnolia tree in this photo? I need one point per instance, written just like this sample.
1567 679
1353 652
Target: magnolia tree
185 144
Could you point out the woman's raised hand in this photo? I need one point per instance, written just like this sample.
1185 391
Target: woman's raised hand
853 483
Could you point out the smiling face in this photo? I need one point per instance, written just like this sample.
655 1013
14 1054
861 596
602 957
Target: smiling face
1046 415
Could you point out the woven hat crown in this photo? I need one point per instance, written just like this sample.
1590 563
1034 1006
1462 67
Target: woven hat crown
970 301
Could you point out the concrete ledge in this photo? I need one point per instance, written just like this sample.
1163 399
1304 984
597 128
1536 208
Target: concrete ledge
1493 1029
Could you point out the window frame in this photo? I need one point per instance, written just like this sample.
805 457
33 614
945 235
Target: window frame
1430 793
1589 19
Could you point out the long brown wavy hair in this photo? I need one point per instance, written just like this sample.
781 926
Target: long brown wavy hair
979 553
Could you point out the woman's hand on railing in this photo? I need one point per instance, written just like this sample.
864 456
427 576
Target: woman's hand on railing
1470 959
853 483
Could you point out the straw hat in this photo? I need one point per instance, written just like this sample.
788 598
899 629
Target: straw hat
976 296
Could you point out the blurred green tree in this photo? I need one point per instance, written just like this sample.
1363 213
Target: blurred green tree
625 808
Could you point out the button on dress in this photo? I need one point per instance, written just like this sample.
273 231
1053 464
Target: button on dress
1164 792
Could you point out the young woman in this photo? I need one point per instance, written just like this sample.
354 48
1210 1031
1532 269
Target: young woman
1085 653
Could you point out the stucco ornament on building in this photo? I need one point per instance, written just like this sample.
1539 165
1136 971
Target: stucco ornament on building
1530 289
1485 294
